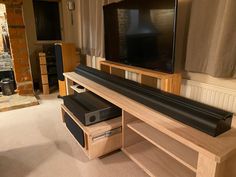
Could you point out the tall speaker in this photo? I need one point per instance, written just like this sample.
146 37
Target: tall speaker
66 59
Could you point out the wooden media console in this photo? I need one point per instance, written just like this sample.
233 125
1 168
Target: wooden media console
162 146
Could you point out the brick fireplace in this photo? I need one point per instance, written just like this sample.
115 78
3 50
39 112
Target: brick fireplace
19 48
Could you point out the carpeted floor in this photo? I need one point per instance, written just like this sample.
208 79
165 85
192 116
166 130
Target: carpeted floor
35 143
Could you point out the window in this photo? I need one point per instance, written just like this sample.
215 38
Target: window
47 20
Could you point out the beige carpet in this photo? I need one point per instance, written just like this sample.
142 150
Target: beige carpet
35 143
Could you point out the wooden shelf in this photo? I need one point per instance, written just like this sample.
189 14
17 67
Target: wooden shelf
168 82
178 151
134 69
74 87
216 148
156 163
95 128
47 72
155 142
96 141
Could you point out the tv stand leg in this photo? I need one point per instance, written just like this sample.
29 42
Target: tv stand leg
69 83
207 167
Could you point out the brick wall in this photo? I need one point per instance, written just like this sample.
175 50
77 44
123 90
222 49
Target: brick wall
19 48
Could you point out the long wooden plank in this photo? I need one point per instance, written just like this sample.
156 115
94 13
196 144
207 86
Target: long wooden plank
217 148
180 152
156 163
135 69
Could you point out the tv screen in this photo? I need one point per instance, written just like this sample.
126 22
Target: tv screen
141 33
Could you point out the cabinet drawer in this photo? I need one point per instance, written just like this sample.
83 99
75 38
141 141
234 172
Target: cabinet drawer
102 144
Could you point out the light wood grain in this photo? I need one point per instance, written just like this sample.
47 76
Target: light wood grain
178 151
217 149
42 54
103 146
169 82
43 69
46 90
42 60
69 90
155 162
206 167
129 137
76 89
62 88
44 79
134 69
69 56
96 148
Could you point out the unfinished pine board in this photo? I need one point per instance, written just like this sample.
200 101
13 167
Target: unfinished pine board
216 148
118 72
180 152
155 162
103 146
62 88
46 90
129 137
44 79
134 69
42 59
43 69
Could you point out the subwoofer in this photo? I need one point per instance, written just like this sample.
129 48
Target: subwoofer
66 61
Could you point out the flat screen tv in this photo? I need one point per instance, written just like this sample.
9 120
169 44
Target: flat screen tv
141 33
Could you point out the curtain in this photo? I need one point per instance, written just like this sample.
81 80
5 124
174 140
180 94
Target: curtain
91 29
211 44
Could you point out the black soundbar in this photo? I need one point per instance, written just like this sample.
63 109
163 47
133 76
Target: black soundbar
205 118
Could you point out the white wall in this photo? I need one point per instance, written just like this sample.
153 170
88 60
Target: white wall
204 78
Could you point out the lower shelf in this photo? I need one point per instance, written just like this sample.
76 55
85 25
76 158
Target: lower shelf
99 139
155 162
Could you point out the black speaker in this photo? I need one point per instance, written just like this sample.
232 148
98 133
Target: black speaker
76 131
59 62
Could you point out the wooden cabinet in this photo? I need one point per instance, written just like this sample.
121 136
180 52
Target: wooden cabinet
164 81
100 138
162 146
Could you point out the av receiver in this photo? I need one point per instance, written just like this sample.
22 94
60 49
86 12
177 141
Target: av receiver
90 108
